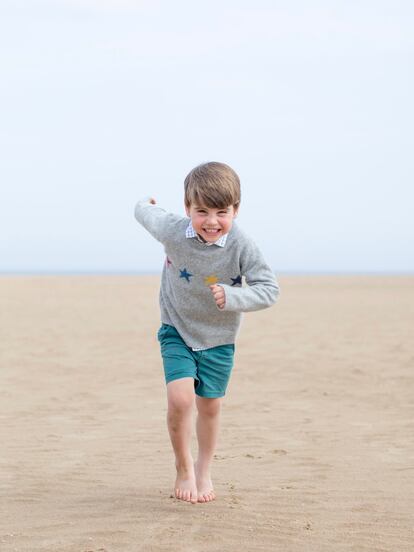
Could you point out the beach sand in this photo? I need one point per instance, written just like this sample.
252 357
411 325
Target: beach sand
316 448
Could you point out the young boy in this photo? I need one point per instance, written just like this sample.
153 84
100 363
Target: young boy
201 301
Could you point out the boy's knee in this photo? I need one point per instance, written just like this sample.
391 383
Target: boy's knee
180 402
208 407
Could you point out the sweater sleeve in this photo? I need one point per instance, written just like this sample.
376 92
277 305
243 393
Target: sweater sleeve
154 219
262 289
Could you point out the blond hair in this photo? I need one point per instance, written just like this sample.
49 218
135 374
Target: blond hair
213 185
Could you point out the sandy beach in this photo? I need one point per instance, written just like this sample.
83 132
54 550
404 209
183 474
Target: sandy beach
316 449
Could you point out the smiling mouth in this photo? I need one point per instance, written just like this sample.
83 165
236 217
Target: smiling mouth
211 231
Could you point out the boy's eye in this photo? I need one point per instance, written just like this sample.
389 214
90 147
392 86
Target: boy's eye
219 212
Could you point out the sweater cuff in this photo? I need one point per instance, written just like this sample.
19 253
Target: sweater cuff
144 201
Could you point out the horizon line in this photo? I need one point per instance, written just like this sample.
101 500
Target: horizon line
319 272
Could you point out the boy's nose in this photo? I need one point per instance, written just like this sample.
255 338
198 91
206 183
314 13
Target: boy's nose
212 219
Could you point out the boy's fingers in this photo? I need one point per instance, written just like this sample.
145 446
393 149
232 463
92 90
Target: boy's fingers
215 287
219 295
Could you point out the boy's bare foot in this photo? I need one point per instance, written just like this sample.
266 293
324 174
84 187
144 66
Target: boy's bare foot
204 485
185 485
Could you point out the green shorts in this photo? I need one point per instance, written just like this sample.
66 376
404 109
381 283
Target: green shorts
210 368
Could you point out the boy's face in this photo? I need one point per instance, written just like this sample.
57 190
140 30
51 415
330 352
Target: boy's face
211 223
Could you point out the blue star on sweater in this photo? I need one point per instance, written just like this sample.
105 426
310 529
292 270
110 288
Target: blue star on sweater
185 274
237 280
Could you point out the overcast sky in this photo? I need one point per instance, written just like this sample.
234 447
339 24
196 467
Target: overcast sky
103 102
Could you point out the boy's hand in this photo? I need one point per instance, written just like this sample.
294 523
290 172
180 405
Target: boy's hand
219 295
152 201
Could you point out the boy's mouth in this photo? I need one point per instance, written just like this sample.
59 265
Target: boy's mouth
211 231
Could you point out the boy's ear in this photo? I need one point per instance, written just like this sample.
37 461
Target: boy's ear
187 210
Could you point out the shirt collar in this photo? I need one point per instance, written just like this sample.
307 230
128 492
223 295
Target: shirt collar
191 233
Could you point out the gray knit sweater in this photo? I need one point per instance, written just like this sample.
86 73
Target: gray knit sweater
186 300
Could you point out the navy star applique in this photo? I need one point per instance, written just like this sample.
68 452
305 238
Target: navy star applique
185 274
237 280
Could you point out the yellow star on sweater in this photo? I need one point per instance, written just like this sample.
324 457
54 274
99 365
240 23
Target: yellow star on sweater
210 280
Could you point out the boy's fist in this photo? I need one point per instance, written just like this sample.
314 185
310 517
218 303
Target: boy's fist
152 201
219 295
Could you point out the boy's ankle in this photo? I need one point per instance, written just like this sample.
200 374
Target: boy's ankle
185 466
202 466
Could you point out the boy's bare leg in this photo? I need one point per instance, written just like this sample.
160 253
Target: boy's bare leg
180 395
207 435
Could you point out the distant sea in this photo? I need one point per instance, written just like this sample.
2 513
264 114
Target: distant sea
353 272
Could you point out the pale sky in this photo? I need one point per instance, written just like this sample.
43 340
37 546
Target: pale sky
103 102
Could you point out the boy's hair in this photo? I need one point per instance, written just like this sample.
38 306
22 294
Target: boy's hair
213 185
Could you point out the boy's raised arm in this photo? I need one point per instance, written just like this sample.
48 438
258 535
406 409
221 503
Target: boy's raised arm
262 289
153 218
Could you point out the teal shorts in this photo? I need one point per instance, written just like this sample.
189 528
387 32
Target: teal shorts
210 368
